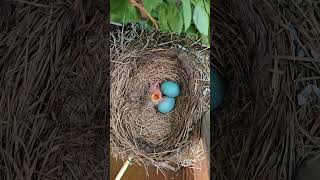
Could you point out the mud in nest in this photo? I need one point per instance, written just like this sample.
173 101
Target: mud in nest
138 129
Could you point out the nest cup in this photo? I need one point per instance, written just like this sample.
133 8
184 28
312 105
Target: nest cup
138 130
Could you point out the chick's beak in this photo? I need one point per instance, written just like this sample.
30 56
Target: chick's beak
156 97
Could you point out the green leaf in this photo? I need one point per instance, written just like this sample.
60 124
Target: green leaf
201 19
175 19
163 23
192 30
171 2
205 40
129 15
117 4
151 4
187 13
195 2
154 14
207 6
122 12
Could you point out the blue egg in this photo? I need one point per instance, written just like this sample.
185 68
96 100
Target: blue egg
170 88
166 105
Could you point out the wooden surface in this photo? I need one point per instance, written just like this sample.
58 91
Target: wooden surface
136 172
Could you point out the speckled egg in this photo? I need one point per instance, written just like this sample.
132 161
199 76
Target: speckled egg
170 88
166 105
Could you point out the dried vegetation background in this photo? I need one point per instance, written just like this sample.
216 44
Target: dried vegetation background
269 52
53 58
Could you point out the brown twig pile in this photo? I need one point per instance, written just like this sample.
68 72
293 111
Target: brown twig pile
139 130
268 52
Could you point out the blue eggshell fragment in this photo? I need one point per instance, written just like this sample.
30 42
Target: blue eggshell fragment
166 105
170 88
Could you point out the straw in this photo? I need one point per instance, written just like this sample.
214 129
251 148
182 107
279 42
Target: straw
123 169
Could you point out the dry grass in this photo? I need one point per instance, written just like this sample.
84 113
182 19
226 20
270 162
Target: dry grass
137 130
52 89
261 132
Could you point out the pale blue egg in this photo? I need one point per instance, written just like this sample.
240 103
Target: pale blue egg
166 105
170 88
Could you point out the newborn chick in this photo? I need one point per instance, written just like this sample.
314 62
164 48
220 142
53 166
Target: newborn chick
155 93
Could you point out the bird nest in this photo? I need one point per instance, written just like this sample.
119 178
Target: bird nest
138 130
